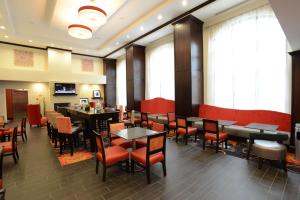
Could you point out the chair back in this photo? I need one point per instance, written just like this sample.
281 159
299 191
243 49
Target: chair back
54 119
158 127
1 164
64 125
171 117
155 144
181 122
144 116
100 148
23 125
121 113
14 139
211 126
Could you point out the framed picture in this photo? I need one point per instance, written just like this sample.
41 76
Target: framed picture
96 94
83 100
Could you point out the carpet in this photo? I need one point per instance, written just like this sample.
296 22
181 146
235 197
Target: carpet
78 156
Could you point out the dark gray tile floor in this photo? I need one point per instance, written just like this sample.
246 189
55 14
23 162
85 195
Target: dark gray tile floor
191 174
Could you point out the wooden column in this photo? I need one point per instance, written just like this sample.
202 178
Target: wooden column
188 47
295 107
109 66
135 76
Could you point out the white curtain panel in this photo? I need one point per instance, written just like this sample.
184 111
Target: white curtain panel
121 82
160 72
248 64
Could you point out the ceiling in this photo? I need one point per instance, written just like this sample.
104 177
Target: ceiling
44 23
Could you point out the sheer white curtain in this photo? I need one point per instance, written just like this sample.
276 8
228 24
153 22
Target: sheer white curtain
248 63
160 71
121 82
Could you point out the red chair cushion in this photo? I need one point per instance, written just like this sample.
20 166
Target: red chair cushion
8 131
141 142
121 142
211 136
191 131
7 146
113 155
172 125
139 155
144 123
137 121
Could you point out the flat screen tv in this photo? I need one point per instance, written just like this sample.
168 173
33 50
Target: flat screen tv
65 89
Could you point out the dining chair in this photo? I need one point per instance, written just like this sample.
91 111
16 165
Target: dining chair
10 147
66 133
145 122
211 132
53 126
108 156
155 127
114 139
22 130
2 189
268 146
183 129
171 122
154 152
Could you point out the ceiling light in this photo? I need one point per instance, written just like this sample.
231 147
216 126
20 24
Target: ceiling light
30 41
6 36
2 27
92 15
184 3
117 43
108 48
80 31
159 17
127 36
141 28
86 50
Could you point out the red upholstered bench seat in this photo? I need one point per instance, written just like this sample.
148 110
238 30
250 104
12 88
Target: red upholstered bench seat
158 106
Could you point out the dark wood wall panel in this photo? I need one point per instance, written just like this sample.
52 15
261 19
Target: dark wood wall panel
295 107
135 76
188 49
109 66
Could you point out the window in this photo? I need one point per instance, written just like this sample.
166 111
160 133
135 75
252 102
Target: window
121 82
160 71
247 64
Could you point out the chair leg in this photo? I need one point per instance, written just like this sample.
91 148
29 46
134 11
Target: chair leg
260 163
97 165
25 135
217 146
186 139
226 144
127 165
70 138
283 162
17 153
176 137
164 167
203 145
148 174
132 165
61 144
104 173
15 158
22 137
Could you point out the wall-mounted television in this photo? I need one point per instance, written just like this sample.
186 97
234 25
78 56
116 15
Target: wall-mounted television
64 89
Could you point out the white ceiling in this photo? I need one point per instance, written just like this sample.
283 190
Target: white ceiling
45 22
288 15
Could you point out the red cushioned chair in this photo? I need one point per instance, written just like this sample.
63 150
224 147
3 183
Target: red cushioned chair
155 127
22 130
154 152
145 122
212 133
34 114
183 129
108 156
10 147
114 139
2 190
171 122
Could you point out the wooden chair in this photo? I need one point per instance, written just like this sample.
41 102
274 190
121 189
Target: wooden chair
183 129
145 122
171 122
10 147
22 130
155 127
114 139
2 189
108 156
212 133
154 152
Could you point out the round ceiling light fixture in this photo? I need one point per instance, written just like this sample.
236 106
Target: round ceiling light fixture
92 15
80 31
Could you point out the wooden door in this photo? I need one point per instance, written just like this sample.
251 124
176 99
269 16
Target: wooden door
20 101
9 104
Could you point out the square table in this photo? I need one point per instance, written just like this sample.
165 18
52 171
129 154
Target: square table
263 127
194 119
155 117
134 133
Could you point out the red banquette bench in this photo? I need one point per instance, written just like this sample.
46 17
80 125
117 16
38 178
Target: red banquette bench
244 117
158 106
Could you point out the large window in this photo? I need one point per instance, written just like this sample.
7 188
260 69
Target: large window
121 82
247 64
160 71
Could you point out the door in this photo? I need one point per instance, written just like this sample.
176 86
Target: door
20 101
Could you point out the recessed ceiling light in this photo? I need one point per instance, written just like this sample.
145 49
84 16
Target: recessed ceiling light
6 36
127 36
86 50
108 48
159 17
30 41
141 28
184 3
117 43
2 27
